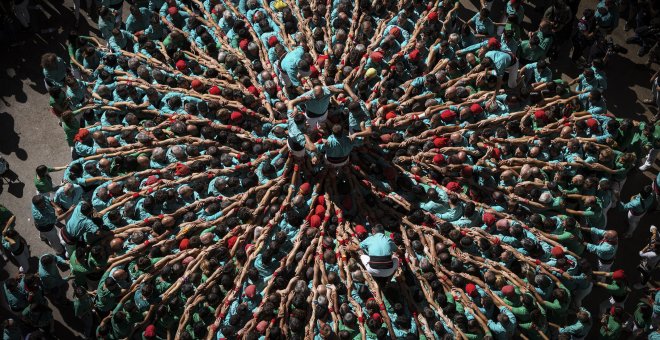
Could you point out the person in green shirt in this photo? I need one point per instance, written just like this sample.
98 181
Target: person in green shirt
642 321
42 180
618 289
612 321
652 133
71 126
82 309
530 51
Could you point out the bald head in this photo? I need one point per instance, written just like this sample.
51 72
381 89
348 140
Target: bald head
120 275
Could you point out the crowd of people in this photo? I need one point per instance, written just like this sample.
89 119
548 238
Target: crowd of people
339 170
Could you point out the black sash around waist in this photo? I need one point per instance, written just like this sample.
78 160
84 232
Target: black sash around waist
381 262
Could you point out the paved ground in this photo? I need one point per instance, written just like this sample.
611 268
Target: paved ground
30 136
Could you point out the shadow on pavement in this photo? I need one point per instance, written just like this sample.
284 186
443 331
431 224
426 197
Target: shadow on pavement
14 184
9 139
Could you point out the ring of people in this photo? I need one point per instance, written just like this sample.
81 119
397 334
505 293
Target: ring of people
335 170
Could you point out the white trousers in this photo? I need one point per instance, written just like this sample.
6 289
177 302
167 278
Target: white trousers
580 294
633 222
513 75
650 158
379 272
23 260
54 241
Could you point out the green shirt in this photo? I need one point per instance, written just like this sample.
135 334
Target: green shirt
44 184
82 306
70 131
613 330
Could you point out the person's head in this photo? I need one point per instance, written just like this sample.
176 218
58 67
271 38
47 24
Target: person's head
39 201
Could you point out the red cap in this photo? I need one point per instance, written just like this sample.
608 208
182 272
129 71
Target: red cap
151 180
440 142
497 152
80 136
377 317
320 200
433 16
319 210
494 43
236 116
315 221
390 115
232 241
592 123
305 188
243 44
471 289
360 229
413 55
489 219
181 65
195 84
619 275
476 109
214 90
181 170
150 331
395 31
454 186
557 251
183 245
377 57
540 115
272 41
508 290
262 326
448 115
438 159
253 90
467 171
250 291
172 10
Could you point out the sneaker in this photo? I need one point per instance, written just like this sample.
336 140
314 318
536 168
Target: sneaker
645 167
638 286
653 229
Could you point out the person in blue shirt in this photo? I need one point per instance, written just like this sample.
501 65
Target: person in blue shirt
43 214
378 249
138 20
337 147
54 70
483 26
504 326
637 207
81 227
294 66
501 62
67 197
317 102
536 73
